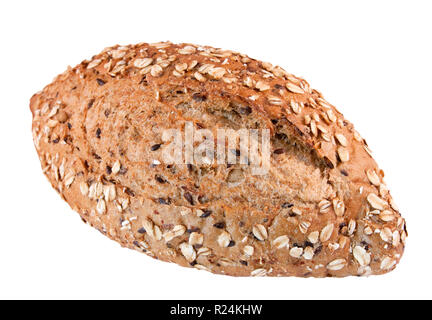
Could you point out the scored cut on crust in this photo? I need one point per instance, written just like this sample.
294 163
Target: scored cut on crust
323 209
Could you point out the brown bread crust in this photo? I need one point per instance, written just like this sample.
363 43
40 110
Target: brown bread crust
322 210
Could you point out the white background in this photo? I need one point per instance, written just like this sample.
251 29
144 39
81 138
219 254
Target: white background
372 59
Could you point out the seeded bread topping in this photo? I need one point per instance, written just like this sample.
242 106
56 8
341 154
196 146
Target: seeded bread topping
322 209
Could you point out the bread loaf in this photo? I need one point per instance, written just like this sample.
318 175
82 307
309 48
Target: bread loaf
320 209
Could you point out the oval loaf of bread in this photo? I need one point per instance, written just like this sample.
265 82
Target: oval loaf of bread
322 208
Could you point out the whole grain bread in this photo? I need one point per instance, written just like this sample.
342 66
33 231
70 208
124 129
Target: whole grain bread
323 208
